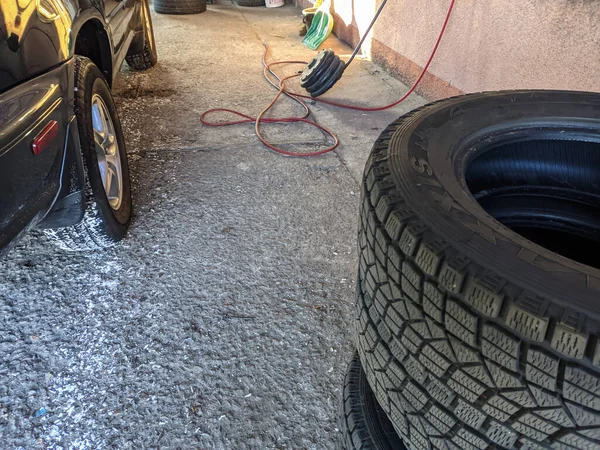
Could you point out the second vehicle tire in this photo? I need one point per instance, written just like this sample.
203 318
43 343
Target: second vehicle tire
148 56
363 424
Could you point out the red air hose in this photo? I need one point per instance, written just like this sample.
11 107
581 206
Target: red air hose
298 99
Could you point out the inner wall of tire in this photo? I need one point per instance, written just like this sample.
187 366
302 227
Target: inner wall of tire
431 150
546 190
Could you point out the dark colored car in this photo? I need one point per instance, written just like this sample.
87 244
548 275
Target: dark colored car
63 164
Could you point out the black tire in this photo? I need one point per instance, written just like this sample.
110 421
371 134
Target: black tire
250 2
179 6
472 336
363 424
101 226
147 57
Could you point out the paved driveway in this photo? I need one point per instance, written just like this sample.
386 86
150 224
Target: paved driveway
224 319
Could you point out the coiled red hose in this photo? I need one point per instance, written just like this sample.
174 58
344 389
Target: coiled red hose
298 98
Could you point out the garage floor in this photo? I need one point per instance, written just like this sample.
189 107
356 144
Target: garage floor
225 319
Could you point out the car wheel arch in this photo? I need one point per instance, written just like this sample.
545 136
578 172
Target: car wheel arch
92 41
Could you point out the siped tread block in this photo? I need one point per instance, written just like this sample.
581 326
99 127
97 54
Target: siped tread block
466 359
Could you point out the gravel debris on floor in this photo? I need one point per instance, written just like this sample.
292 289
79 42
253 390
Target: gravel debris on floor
224 320
221 322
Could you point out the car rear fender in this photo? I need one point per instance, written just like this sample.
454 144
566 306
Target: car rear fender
92 40
30 183
36 37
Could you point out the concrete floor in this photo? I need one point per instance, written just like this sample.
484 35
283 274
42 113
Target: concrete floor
224 320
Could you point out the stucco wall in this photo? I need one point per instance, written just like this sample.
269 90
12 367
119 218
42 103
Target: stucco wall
488 45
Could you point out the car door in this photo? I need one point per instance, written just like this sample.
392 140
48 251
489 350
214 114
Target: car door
34 111
117 14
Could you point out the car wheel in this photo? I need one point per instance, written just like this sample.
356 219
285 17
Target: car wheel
363 424
108 189
179 6
148 57
478 293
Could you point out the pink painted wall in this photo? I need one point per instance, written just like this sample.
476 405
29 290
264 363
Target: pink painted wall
488 45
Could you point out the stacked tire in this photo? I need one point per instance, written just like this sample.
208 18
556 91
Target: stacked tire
250 2
478 291
364 423
179 6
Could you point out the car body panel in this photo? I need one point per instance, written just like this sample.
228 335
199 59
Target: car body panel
117 15
38 39
31 42
37 35
29 183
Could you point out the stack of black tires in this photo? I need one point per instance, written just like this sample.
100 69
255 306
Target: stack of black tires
478 290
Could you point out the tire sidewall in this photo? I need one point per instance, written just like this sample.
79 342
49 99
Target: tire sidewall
115 222
428 155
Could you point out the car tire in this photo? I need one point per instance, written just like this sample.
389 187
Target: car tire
363 424
108 210
179 6
250 2
471 334
147 58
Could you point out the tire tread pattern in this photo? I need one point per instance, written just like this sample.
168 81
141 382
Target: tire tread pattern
363 427
141 61
457 356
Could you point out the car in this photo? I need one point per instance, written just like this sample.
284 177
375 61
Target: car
63 162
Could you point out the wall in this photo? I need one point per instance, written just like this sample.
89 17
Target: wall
488 45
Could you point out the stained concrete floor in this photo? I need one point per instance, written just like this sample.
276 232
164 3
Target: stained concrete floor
224 320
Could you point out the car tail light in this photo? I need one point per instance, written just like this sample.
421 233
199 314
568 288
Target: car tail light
45 137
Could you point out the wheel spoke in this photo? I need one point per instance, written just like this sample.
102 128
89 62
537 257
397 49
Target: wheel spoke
101 159
97 120
99 138
110 174
115 177
113 163
105 122
107 152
